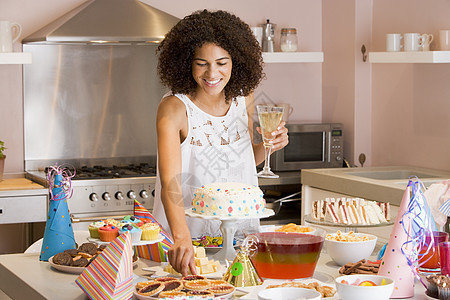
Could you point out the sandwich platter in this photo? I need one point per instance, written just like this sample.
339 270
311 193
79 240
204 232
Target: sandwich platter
309 219
349 212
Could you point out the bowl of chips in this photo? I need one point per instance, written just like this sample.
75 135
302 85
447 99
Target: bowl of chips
349 247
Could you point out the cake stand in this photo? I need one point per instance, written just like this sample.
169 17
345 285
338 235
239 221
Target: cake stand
228 229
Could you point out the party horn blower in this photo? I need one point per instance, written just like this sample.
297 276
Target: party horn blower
394 264
242 272
58 234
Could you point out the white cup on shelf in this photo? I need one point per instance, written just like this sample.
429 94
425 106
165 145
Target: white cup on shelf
444 40
393 42
426 40
412 41
9 33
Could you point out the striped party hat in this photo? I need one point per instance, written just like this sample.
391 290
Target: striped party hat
110 275
158 251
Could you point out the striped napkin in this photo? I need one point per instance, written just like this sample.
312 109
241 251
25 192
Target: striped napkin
110 275
158 251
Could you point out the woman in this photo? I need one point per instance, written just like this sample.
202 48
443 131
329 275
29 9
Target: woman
212 63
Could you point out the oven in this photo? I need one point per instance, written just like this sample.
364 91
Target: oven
102 192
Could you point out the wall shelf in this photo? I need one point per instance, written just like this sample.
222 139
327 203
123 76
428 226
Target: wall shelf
292 57
15 58
433 57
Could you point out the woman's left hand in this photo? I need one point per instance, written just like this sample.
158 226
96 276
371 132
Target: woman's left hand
281 137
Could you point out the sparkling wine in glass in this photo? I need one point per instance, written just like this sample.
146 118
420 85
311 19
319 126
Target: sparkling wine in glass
269 119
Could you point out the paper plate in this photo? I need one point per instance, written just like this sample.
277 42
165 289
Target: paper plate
159 272
74 270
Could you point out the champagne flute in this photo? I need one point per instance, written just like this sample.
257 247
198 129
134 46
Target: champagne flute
269 118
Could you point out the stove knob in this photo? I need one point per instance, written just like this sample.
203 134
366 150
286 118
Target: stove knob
144 194
131 194
106 196
119 196
93 197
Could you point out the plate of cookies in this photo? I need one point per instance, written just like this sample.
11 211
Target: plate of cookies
74 261
191 285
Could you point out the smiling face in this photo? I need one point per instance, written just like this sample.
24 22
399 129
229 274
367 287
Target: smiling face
211 69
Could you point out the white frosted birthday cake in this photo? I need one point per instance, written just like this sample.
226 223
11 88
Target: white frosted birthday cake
229 199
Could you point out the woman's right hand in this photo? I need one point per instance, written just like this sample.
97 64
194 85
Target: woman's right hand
181 257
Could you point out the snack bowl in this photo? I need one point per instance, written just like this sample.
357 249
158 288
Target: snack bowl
273 228
350 252
277 252
288 293
348 291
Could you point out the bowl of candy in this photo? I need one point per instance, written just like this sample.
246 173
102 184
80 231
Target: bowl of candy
277 252
367 287
349 247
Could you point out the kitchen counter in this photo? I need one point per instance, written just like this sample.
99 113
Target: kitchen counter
22 201
386 184
23 276
11 185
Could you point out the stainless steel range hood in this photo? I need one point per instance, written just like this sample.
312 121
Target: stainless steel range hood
107 21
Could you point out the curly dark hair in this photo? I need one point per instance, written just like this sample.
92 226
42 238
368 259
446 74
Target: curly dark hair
221 28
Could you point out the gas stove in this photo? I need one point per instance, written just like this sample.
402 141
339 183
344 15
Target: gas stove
106 191
102 172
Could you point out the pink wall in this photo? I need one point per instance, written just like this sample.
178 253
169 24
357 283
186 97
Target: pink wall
411 102
395 113
408 104
298 84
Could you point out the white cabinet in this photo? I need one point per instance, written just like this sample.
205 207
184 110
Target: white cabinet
410 57
15 58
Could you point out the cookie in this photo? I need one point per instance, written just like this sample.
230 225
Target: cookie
171 294
81 262
174 285
63 259
152 289
71 252
89 248
202 294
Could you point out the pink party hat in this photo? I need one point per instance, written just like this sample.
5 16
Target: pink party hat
394 264
158 251
110 275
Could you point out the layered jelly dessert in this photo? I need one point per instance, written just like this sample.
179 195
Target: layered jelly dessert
282 255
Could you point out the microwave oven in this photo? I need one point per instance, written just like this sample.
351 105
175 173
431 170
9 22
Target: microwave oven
310 146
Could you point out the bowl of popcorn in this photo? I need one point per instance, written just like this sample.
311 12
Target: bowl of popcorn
349 247
367 287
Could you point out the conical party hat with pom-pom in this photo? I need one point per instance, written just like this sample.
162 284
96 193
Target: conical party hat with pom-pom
58 234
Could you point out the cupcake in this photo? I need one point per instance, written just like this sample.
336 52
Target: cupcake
434 280
111 222
443 284
134 231
108 233
132 219
150 231
93 229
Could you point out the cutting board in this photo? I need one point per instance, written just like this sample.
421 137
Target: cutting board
18 184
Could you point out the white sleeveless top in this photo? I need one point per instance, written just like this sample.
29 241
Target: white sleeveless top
216 149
